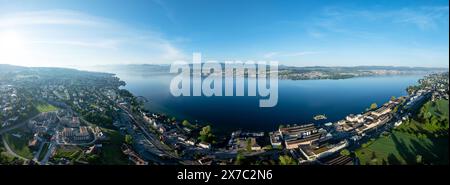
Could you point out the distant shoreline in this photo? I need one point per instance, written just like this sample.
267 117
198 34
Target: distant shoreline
288 72
160 107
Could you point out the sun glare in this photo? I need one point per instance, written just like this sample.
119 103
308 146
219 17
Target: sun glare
12 47
10 39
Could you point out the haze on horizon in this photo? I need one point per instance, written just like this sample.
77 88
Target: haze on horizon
296 33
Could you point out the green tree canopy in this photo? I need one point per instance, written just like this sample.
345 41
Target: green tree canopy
206 134
239 159
287 160
345 152
373 106
185 123
128 139
249 144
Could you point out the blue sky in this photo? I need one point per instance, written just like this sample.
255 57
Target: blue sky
293 32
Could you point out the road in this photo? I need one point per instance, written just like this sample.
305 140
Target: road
12 152
15 126
7 129
150 137
51 149
36 156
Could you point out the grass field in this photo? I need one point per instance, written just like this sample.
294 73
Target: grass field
68 152
111 152
4 155
411 143
19 144
43 107
6 158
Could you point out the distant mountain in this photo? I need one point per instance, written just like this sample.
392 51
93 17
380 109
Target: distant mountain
320 72
399 68
7 68
285 72
10 72
136 69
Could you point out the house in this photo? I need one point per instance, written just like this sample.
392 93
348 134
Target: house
355 118
381 111
75 121
370 124
275 139
34 143
300 135
207 160
191 141
295 143
254 144
204 145
161 129
182 138
80 134
94 149
312 153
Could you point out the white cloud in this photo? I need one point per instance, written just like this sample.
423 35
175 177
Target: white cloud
270 54
168 12
49 17
101 44
315 34
288 54
68 38
424 18
301 53
428 17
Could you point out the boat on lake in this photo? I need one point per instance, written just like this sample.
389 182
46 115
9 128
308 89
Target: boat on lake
320 117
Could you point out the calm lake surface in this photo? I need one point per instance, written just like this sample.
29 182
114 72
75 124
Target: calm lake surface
299 101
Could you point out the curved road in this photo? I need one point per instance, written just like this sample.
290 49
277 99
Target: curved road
12 152
7 129
15 126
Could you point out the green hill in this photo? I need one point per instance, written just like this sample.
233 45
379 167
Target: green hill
420 140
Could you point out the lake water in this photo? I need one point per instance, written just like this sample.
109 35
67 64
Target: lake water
299 101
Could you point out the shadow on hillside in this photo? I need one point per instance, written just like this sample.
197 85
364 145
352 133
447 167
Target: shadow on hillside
392 160
435 152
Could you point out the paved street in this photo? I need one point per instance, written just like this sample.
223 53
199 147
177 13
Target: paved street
151 137
8 149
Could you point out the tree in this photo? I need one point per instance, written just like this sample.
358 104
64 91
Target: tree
345 152
206 134
287 160
373 106
128 139
281 126
93 159
395 109
268 147
186 123
419 159
240 159
374 156
249 144
3 159
393 98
